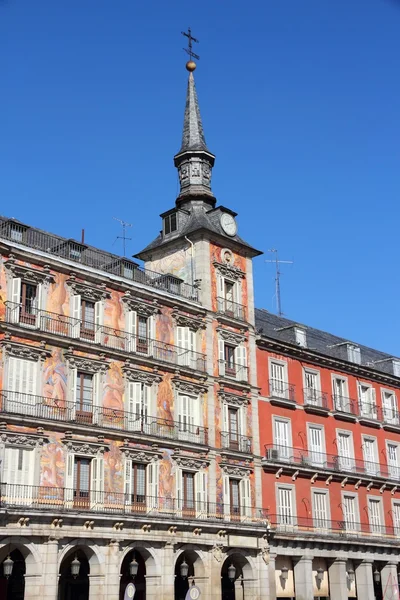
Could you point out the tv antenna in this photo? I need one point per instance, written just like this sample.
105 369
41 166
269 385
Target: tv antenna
123 236
278 273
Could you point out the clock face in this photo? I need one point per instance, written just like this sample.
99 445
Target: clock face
228 224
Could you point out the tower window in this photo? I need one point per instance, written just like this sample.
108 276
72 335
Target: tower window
170 223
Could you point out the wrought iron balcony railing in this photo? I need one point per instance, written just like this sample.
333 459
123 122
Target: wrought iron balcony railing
44 498
232 370
104 336
51 409
231 309
344 405
233 441
390 416
280 390
92 257
299 457
369 410
288 523
315 398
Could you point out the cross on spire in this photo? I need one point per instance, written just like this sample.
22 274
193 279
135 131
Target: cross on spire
191 39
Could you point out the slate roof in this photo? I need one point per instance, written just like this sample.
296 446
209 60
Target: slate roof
282 329
193 134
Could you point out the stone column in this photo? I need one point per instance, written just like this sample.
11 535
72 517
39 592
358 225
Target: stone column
303 579
364 580
271 592
167 587
389 582
50 570
113 568
32 587
96 588
217 558
153 587
338 580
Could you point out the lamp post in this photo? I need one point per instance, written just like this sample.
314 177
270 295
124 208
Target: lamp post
231 573
133 567
319 576
377 575
284 573
184 569
8 566
75 567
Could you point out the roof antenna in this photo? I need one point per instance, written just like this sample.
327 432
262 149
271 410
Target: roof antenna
278 262
123 236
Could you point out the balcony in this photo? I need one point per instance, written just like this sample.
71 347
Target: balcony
344 408
232 370
51 409
62 500
288 525
312 461
96 259
369 414
235 442
315 401
103 336
231 309
282 393
391 419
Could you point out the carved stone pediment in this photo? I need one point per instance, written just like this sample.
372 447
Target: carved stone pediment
138 455
231 336
184 320
229 271
88 292
83 363
191 463
236 470
148 377
188 387
232 399
28 274
26 440
141 307
24 350
84 448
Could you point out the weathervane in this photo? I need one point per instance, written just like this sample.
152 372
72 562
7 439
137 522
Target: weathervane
190 65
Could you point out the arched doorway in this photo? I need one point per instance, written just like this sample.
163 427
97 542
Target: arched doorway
235 571
13 588
140 578
182 583
70 586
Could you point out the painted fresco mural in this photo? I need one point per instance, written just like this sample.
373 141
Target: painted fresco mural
238 261
176 261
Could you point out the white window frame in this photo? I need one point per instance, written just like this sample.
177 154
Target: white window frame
354 353
316 460
284 454
339 401
396 521
371 467
375 528
394 418
309 398
393 470
280 387
16 398
293 518
372 412
346 463
317 523
23 491
356 511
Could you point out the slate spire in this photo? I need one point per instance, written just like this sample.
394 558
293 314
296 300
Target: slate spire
194 161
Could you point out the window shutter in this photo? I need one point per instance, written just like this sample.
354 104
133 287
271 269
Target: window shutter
245 498
15 299
41 297
147 389
220 293
97 400
131 325
152 334
183 345
241 362
72 384
221 356
243 440
97 482
134 409
128 481
152 486
178 488
76 316
373 402
69 477
99 321
192 347
200 482
226 497
225 426
236 295
10 467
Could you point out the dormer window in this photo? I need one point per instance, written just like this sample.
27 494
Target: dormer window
353 354
300 336
15 230
170 223
75 250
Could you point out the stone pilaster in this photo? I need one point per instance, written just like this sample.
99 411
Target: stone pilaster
50 570
338 580
112 570
167 584
303 578
389 582
364 581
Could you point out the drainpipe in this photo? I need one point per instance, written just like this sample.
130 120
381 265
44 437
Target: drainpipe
191 258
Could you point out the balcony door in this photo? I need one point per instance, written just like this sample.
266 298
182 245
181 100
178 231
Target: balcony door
316 445
82 476
278 381
345 451
311 387
84 397
282 438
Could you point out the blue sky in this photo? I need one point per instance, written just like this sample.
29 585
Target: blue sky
300 104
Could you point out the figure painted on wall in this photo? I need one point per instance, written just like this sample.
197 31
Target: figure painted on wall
177 263
165 326
113 312
165 399
55 378
114 388
113 471
57 298
219 487
166 476
52 463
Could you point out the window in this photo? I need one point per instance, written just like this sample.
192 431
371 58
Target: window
350 511
300 337
16 233
375 514
389 406
278 378
354 354
84 481
320 507
137 493
370 452
141 334
282 438
316 444
191 492
87 319
170 223
229 360
345 450
189 418
81 481
141 485
237 498
234 428
366 396
28 303
186 347
21 385
87 316
228 297
392 450
139 409
232 360
25 302
286 506
340 394
311 387
84 397
396 367
19 472
396 516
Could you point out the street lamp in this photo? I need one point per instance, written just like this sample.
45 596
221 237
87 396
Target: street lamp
8 566
133 568
350 577
75 567
320 575
184 568
377 575
284 573
231 573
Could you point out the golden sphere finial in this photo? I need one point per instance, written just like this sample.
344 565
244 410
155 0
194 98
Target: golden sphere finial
190 66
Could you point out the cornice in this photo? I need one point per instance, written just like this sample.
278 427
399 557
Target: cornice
229 271
24 351
141 307
84 363
89 292
323 360
232 399
141 456
184 320
189 462
84 447
188 387
23 439
231 336
236 470
148 377
28 274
